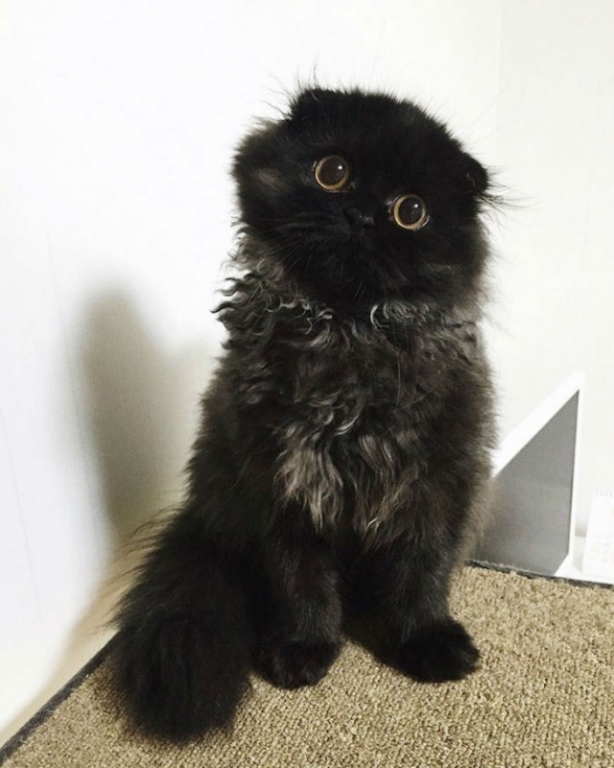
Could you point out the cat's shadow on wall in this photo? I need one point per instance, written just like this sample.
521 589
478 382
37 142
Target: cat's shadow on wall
140 416
141 412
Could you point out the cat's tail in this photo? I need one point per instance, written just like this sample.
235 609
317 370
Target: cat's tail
181 657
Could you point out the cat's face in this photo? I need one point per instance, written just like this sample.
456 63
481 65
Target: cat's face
364 199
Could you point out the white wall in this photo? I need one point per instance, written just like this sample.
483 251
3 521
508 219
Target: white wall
118 122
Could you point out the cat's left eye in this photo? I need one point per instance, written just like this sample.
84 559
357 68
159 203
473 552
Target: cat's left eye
332 172
410 212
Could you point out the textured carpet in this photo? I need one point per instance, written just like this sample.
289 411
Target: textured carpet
543 697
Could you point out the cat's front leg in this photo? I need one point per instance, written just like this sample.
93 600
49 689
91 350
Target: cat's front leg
411 579
301 635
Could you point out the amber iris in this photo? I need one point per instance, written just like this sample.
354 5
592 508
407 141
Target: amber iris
410 212
332 172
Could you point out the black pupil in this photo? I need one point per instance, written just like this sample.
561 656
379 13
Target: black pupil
410 211
333 171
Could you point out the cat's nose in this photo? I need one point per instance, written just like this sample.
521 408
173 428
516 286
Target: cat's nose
359 218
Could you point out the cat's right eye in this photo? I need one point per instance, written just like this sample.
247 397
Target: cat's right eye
332 172
410 212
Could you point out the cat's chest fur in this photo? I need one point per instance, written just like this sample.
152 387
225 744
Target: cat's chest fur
356 409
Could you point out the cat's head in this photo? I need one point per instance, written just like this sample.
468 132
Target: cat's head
364 198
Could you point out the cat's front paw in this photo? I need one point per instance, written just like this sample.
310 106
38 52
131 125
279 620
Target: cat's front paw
442 651
295 664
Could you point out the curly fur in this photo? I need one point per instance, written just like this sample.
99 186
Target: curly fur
344 455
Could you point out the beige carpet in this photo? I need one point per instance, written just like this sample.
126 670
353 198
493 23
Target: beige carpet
544 697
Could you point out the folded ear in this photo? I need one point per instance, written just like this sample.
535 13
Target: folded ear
476 175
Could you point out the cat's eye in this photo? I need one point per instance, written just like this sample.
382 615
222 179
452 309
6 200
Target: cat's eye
332 173
410 212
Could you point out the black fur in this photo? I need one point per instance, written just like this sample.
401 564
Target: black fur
343 460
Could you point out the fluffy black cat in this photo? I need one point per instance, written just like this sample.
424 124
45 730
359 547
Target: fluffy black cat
343 460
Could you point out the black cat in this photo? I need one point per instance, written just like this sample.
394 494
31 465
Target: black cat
343 461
